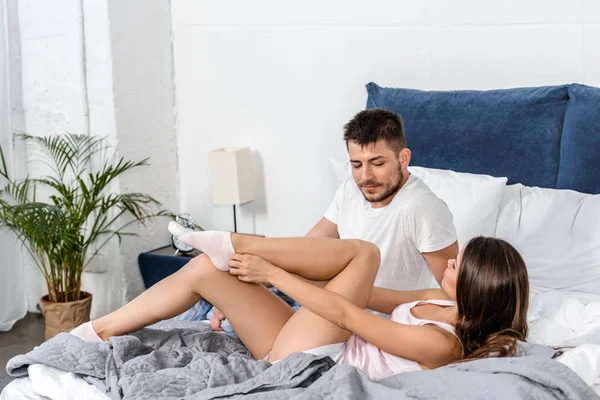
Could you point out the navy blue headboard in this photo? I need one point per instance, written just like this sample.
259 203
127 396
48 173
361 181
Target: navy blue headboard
544 136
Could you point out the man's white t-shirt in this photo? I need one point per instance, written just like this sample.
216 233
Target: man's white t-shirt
415 221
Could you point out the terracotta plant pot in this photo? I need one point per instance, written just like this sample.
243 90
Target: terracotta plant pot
63 317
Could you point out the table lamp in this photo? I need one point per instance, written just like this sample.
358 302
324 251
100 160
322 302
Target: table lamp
230 172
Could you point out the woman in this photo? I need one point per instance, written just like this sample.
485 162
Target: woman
479 311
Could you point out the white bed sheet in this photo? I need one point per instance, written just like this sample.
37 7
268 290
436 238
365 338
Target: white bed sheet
46 383
554 319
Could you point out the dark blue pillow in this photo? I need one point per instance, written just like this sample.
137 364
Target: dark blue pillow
509 132
580 157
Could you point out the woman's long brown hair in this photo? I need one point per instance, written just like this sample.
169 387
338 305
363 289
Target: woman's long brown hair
492 295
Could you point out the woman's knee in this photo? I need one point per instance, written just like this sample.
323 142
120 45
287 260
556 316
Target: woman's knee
371 252
200 268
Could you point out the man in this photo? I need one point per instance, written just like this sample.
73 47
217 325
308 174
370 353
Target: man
382 203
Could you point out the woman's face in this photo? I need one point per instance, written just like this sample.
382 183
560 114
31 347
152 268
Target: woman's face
451 276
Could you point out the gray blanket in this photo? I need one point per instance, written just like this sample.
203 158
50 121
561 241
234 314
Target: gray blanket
179 360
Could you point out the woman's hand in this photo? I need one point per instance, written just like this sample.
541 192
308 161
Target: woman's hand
249 268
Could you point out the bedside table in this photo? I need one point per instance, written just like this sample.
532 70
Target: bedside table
157 264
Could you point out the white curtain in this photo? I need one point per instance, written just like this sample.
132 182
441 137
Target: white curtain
13 301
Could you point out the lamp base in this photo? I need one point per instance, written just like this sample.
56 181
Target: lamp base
234 220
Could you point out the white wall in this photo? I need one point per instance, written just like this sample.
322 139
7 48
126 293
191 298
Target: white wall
283 78
46 87
11 286
142 68
101 68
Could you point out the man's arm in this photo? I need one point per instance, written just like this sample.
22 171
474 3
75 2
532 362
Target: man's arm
438 260
325 229
386 300
430 224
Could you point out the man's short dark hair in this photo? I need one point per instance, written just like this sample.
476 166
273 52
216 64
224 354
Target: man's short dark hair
371 126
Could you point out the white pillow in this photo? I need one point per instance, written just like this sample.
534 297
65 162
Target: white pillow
341 170
558 234
473 199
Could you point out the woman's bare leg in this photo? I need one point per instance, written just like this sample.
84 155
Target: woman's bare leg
306 330
311 258
256 314
316 259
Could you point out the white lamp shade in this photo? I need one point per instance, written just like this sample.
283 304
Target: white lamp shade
230 171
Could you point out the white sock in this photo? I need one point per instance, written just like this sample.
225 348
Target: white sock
86 332
215 244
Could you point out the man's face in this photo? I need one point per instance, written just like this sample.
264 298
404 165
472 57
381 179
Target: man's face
377 170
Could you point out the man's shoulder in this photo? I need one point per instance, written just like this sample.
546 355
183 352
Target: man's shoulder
424 201
417 194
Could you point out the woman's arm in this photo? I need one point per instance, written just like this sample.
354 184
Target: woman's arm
428 345
386 300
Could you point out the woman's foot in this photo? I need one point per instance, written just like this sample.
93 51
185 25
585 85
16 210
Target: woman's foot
86 332
216 245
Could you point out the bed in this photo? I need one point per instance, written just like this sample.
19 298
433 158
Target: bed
522 164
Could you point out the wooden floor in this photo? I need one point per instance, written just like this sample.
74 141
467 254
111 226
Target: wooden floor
23 337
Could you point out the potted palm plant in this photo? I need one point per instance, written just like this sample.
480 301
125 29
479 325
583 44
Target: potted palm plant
68 215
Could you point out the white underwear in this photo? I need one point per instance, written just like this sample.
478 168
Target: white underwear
335 351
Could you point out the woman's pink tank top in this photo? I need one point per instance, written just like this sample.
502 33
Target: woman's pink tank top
378 364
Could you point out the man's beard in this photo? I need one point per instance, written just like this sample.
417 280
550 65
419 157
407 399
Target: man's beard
390 191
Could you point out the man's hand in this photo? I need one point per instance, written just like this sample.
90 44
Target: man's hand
216 320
